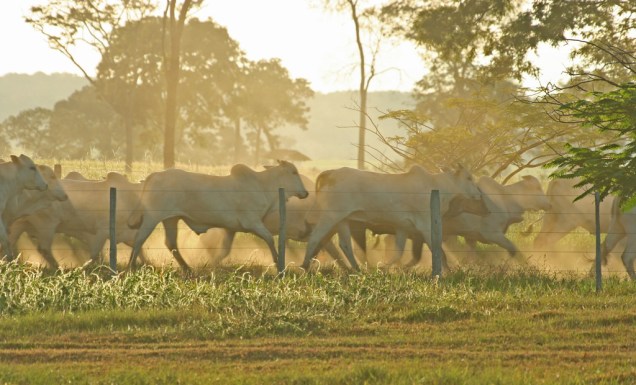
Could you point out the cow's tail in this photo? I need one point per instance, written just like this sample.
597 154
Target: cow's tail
530 228
136 217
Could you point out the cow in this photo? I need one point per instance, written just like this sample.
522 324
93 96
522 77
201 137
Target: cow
507 205
622 224
16 176
237 202
565 214
85 215
297 224
395 201
30 201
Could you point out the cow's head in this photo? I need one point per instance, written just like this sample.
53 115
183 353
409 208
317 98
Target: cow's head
288 178
55 189
27 174
534 197
466 195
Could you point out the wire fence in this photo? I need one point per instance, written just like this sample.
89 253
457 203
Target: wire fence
559 239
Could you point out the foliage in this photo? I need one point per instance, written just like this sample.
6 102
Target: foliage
607 168
30 130
480 50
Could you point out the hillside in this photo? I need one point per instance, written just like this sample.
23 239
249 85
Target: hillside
20 92
333 124
332 131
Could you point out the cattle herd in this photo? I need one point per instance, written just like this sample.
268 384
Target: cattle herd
345 201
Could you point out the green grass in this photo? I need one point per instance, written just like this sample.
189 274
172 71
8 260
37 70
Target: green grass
241 326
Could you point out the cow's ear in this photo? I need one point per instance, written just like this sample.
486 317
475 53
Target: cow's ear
15 159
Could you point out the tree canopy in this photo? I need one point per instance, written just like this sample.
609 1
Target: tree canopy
472 105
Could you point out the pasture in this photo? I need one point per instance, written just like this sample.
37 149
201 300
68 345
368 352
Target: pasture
245 327
491 320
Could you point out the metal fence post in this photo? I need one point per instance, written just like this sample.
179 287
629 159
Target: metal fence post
282 232
597 203
436 233
113 240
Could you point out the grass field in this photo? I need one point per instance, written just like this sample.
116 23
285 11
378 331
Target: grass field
487 322
242 326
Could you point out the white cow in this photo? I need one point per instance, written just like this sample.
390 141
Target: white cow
565 214
15 176
622 224
506 204
237 202
297 223
85 215
399 202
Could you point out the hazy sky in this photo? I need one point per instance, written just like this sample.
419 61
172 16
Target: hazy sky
312 44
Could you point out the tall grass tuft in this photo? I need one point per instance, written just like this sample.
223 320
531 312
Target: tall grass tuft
244 303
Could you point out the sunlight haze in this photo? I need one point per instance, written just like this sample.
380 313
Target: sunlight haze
311 43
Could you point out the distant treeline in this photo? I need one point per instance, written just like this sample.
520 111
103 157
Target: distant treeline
331 132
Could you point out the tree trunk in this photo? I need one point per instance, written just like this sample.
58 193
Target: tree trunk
170 119
363 90
257 146
129 144
172 62
237 140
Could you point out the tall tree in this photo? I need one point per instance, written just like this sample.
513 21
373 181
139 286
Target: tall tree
173 23
70 25
364 20
30 131
483 42
270 99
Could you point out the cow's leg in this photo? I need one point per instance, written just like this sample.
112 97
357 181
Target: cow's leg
344 240
4 241
45 245
96 245
322 232
628 257
400 244
258 228
331 249
146 228
359 234
15 231
501 240
226 247
170 227
614 235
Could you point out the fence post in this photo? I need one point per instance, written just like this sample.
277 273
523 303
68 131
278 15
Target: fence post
57 170
113 240
436 233
597 203
282 231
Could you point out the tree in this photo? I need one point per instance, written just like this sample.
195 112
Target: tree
218 87
70 25
362 18
609 168
173 24
474 45
84 125
271 98
30 131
